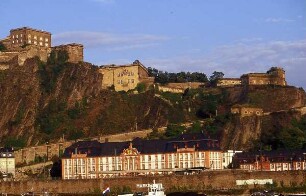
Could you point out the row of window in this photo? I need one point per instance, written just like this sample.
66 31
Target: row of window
29 37
29 42
125 73
128 81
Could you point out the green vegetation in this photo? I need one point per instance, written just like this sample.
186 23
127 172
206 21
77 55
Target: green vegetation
292 136
14 142
174 130
56 120
141 87
49 72
166 77
2 47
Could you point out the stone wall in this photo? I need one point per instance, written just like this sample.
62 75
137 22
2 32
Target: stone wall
49 150
6 58
213 179
228 82
179 87
246 111
75 52
32 51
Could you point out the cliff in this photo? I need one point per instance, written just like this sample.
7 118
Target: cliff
43 102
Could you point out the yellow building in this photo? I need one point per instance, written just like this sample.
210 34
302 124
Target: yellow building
125 77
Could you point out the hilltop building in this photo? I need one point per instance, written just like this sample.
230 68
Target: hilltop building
92 159
25 42
275 76
125 77
21 37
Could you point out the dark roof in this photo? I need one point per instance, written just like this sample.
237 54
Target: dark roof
95 148
273 156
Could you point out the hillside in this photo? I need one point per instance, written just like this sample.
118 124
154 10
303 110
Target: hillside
42 102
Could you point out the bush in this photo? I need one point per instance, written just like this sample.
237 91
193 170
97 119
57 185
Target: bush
141 87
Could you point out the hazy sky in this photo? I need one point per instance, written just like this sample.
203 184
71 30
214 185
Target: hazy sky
232 36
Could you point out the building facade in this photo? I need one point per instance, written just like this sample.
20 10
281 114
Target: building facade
275 76
227 158
91 159
125 77
24 43
7 162
27 36
272 160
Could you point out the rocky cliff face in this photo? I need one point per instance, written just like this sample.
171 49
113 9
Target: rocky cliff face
24 95
41 103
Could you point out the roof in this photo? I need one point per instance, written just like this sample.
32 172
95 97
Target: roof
135 63
31 29
273 156
186 141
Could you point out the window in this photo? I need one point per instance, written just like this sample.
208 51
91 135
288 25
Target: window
40 38
17 41
16 36
35 37
13 41
13 36
46 44
29 36
20 35
35 42
40 43
46 40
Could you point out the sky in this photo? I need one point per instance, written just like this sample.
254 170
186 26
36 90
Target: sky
231 36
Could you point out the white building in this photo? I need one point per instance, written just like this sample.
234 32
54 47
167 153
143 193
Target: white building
7 162
227 158
91 159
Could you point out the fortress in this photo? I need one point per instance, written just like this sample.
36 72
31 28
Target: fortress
275 76
125 77
25 42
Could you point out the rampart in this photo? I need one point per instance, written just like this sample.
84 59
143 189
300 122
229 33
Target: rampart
179 87
246 111
75 51
55 149
205 180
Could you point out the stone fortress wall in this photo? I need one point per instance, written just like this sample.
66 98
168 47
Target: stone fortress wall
179 87
221 180
28 154
74 50
246 111
25 42
228 82
275 76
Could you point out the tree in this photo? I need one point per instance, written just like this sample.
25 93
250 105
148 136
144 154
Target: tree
196 127
56 170
174 130
215 76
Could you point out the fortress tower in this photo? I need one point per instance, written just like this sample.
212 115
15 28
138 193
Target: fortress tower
24 36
